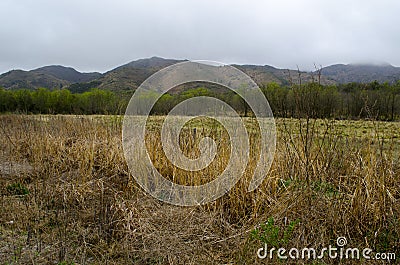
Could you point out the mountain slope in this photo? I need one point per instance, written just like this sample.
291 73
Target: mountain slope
362 73
17 79
51 77
267 74
67 73
131 75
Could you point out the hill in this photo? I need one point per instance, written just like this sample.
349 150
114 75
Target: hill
362 73
68 74
129 76
17 79
52 77
267 74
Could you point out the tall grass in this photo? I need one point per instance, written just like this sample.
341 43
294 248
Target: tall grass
67 195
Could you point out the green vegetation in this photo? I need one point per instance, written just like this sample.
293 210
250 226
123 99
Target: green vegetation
269 233
44 101
349 101
17 189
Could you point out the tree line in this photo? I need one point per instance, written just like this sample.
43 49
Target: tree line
63 101
345 101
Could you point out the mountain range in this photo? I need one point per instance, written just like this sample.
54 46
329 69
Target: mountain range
129 76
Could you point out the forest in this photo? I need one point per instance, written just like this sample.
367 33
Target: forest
375 100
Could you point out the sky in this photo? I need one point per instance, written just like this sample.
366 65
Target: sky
98 35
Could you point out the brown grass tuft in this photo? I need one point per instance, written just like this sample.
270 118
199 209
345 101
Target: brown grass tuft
67 195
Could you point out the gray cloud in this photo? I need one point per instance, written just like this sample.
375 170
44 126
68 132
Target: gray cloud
99 35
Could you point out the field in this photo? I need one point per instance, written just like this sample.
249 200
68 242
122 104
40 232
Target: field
67 196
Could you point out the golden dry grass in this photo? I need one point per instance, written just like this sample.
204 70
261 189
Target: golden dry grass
67 195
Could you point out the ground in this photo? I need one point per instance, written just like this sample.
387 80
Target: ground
67 196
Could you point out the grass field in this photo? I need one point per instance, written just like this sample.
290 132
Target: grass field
67 196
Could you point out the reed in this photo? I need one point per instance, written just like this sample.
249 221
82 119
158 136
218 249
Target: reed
67 196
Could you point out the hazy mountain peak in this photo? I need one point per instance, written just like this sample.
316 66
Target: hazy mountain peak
371 64
153 62
68 74
50 76
362 72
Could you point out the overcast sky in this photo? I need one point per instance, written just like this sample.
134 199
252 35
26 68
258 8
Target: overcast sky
98 35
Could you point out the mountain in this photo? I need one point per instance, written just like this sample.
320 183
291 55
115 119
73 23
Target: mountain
54 76
17 79
68 74
267 74
152 63
362 73
129 76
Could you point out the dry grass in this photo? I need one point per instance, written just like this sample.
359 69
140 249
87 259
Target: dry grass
67 196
